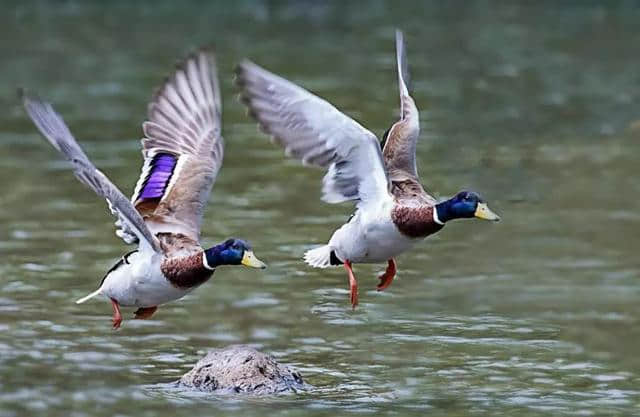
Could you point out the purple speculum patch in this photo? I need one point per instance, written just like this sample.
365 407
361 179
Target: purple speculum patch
162 166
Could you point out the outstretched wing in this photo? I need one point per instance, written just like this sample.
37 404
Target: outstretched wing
57 133
314 131
400 145
182 148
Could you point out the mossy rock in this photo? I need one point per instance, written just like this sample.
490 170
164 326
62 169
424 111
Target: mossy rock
242 369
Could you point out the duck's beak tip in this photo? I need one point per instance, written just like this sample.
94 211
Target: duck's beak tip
250 260
485 213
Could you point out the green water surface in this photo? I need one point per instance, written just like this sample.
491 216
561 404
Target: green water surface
532 104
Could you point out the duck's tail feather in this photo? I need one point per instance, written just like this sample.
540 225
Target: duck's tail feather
93 294
319 257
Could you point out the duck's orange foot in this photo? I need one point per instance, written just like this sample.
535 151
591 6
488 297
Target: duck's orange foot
144 313
117 317
387 277
353 284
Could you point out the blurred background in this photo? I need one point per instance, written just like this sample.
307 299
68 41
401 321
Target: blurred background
535 105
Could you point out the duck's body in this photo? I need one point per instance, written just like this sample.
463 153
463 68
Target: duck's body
370 236
394 212
138 281
148 281
389 229
183 150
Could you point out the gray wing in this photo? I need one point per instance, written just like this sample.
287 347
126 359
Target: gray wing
182 148
400 146
57 133
314 131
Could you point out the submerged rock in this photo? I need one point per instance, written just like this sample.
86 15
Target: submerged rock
244 370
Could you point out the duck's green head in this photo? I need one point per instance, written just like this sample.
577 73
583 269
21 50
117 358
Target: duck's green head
232 252
464 205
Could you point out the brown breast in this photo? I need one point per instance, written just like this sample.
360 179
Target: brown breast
413 211
186 271
415 221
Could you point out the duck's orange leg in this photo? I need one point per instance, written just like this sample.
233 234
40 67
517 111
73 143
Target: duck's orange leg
387 277
144 313
353 284
117 317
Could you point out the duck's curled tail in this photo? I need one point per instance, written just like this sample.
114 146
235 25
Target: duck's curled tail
319 257
93 294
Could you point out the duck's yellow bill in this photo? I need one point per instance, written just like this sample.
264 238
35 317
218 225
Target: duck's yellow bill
484 212
250 260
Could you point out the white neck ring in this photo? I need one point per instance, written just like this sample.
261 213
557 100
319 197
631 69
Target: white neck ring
435 216
205 263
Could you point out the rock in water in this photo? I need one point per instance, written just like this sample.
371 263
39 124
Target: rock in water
242 369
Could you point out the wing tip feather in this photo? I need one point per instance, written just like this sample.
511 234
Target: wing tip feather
29 98
206 51
401 62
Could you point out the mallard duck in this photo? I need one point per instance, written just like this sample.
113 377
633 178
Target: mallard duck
393 210
182 149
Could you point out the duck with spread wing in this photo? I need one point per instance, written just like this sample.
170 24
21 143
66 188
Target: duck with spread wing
182 149
393 211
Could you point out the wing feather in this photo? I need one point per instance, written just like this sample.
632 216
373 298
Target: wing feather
400 146
183 124
57 133
314 131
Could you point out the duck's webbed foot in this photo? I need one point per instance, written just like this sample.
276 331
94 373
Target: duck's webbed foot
144 313
353 284
117 316
387 277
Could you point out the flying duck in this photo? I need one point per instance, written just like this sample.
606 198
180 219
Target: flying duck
182 149
393 210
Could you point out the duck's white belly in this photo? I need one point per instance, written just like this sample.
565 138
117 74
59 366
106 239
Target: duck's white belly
141 283
370 239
